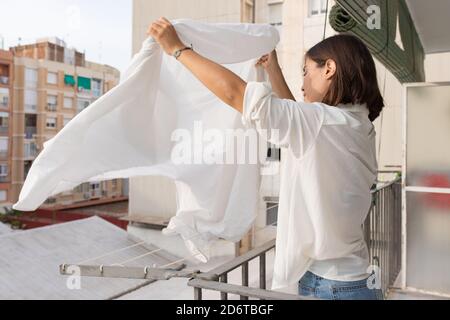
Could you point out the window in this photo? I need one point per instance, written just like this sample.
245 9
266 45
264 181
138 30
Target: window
52 103
83 84
4 74
4 122
95 189
68 102
82 104
3 146
275 13
4 97
273 153
69 80
51 122
31 100
3 195
248 11
317 7
3 173
271 213
30 149
66 120
97 87
31 78
52 78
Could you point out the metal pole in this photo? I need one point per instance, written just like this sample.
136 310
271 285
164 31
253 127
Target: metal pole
254 12
224 279
244 278
262 271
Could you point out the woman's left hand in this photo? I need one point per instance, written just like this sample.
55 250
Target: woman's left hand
165 34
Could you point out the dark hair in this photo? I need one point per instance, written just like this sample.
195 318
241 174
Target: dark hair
355 80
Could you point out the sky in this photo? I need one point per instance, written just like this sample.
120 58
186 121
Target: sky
100 28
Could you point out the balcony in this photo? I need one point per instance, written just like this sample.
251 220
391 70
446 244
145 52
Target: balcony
51 107
382 230
29 132
4 80
30 150
31 108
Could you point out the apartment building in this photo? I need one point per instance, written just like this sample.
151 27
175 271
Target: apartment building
52 84
6 101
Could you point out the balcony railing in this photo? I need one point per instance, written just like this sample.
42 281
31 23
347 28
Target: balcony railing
4 103
217 279
32 108
382 231
4 129
4 80
51 107
29 132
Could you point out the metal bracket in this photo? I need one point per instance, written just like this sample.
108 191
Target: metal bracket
145 272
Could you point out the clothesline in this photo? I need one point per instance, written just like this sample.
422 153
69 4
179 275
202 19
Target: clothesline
154 251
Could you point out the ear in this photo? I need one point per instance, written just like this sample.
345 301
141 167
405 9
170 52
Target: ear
330 68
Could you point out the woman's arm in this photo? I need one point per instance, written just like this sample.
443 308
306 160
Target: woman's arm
272 67
225 84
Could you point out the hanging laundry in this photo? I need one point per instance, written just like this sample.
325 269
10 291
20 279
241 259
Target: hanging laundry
128 132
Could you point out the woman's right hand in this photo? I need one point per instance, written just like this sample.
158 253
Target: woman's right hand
269 62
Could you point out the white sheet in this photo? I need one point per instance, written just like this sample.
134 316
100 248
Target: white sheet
127 132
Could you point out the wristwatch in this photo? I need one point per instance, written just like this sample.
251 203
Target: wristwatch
177 53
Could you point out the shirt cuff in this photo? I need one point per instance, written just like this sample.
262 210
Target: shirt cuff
254 93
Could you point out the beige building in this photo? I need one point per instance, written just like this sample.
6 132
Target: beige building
6 102
52 84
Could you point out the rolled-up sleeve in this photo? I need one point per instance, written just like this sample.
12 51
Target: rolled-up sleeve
282 122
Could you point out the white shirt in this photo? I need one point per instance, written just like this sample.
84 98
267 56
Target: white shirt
129 132
328 167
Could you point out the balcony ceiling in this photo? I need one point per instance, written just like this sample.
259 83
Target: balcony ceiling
431 18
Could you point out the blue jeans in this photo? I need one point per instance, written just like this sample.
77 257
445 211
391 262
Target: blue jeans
313 285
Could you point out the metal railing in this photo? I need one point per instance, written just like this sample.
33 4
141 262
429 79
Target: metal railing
382 231
217 279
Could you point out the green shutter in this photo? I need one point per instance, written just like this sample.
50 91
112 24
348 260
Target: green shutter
84 83
407 64
69 80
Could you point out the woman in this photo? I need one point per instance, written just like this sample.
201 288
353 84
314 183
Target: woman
329 164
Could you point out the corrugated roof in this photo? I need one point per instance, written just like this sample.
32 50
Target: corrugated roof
4 229
29 260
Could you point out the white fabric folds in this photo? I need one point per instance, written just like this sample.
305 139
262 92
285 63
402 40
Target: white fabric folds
128 132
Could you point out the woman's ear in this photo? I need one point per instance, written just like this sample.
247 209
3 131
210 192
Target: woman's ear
330 68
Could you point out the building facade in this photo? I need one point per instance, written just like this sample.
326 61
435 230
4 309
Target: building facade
6 102
53 83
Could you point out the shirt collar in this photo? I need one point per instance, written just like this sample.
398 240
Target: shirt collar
354 107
